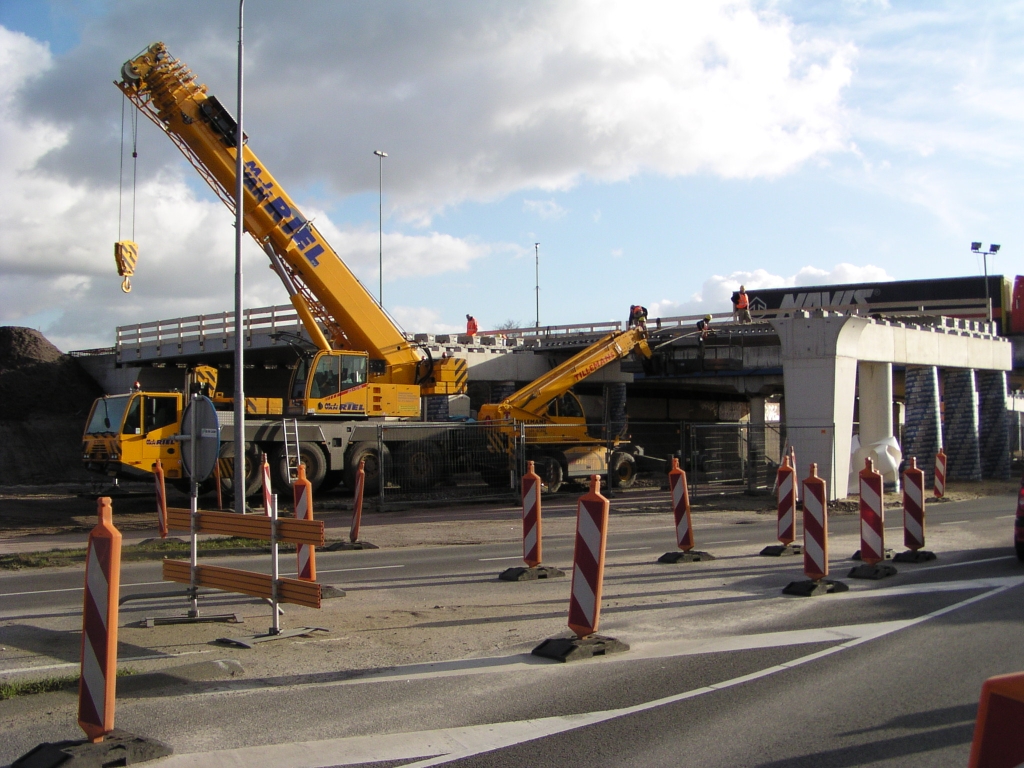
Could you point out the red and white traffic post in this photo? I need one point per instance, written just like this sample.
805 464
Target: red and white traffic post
815 521
357 504
587 583
940 474
532 533
785 484
684 522
913 516
305 553
872 527
268 492
97 685
161 498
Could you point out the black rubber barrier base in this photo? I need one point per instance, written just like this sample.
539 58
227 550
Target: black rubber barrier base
343 546
521 573
782 550
888 554
914 556
811 588
117 748
873 572
693 556
577 648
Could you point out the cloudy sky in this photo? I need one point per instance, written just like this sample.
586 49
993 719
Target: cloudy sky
660 152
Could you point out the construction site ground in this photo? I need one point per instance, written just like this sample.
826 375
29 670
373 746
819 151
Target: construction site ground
387 624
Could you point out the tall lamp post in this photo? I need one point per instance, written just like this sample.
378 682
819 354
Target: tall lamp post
536 278
380 225
239 427
992 250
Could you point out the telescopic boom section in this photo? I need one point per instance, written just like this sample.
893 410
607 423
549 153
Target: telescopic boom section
532 401
322 288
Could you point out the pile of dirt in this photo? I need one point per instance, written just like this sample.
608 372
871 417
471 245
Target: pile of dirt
45 398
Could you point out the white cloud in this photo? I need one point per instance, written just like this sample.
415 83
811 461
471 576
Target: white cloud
715 294
546 209
473 101
423 320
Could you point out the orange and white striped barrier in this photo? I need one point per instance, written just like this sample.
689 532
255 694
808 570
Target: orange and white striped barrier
161 499
913 516
684 522
998 738
940 474
785 484
305 553
96 688
357 505
532 534
267 490
587 583
532 545
588 561
815 503
872 527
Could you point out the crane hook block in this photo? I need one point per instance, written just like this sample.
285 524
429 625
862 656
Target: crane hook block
126 253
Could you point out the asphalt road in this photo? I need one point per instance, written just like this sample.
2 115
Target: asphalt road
722 670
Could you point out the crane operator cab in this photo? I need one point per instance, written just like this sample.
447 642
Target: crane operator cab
335 382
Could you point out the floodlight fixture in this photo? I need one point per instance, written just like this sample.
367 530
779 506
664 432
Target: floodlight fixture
993 248
975 246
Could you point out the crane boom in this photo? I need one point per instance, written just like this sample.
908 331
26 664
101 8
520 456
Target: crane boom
531 402
322 288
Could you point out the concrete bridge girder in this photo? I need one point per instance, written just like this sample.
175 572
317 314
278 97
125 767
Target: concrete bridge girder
821 355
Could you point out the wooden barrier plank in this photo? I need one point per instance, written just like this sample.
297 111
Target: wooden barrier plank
292 591
289 530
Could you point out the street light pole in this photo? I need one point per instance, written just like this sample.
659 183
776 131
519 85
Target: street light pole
536 276
239 427
992 250
380 225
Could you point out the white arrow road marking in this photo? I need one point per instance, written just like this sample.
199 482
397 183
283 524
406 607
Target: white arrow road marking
447 744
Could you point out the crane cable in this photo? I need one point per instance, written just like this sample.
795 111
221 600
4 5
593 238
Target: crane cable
126 252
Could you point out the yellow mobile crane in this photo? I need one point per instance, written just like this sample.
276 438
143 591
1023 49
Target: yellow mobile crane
557 438
363 366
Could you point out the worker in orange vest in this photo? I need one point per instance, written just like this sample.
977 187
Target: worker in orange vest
471 326
743 305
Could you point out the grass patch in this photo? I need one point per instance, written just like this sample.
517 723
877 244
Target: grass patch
8 690
153 550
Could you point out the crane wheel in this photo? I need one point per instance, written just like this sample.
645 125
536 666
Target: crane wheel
551 473
253 478
421 466
366 452
622 470
310 456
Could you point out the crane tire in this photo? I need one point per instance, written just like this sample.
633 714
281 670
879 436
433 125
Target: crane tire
551 473
622 470
374 469
311 456
253 478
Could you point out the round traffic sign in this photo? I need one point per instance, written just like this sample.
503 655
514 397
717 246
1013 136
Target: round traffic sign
199 455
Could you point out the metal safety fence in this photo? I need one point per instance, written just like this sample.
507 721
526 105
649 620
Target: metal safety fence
438 462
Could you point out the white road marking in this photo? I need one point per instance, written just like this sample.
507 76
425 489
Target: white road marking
448 744
491 559
79 589
955 522
76 664
627 549
727 541
367 568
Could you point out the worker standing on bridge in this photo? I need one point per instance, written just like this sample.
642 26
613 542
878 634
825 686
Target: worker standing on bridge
637 316
471 327
704 330
743 305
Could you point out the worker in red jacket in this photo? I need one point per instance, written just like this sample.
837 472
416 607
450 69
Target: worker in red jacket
471 327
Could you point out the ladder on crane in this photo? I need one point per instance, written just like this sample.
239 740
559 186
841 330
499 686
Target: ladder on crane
290 427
